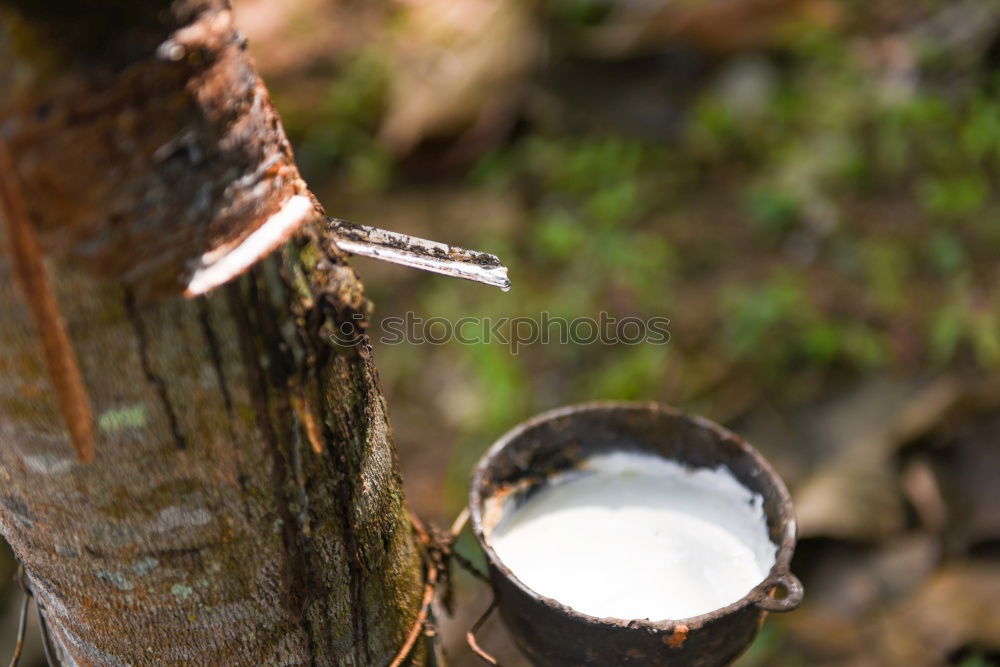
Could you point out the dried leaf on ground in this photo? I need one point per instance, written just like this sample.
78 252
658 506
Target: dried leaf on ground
456 65
855 494
720 26
956 609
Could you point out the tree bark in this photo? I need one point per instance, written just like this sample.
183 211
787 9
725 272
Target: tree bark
244 505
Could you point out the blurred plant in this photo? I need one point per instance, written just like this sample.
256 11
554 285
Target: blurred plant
888 269
339 132
946 253
716 26
577 13
774 212
769 648
628 373
953 197
762 324
966 319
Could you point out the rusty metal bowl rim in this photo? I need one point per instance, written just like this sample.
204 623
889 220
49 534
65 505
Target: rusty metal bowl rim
779 575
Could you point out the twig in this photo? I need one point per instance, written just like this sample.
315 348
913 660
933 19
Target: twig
459 523
430 586
64 370
418 623
46 637
456 529
22 582
22 626
437 553
470 636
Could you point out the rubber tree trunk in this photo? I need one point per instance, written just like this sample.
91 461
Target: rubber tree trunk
242 502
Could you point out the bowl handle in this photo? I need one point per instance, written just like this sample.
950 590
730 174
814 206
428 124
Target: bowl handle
793 593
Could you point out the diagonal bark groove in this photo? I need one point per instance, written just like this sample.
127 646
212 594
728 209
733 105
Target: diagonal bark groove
295 577
159 384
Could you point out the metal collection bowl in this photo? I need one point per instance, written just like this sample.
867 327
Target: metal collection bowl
552 634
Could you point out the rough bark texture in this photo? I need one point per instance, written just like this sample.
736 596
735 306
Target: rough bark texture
142 135
244 506
208 531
